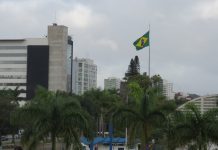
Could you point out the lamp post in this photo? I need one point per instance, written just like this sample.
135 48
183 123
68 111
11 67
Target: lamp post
71 69
111 134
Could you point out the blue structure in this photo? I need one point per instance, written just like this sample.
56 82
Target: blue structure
102 140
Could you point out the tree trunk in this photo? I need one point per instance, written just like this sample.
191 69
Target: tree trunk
53 141
67 146
0 141
205 147
200 147
144 139
13 139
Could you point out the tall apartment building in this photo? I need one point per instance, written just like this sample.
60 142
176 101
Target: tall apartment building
112 83
84 75
168 90
26 63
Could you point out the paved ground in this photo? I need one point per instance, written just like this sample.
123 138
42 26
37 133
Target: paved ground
7 145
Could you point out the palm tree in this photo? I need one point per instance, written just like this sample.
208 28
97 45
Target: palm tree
8 103
99 104
167 133
197 129
142 116
54 115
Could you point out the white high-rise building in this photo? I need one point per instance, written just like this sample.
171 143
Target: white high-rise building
168 90
84 75
112 83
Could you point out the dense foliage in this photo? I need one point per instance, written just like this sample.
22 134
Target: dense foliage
54 115
100 105
8 103
145 113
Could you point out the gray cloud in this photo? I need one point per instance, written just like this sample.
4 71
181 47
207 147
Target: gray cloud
183 35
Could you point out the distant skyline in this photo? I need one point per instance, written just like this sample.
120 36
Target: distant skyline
183 35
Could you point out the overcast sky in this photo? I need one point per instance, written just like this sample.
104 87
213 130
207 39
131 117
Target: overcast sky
184 35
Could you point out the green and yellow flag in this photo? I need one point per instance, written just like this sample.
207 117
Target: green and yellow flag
142 41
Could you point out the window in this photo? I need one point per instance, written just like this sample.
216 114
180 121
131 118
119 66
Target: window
12 84
80 64
13 54
12 76
13 62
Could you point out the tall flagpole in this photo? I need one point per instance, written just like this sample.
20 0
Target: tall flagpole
149 55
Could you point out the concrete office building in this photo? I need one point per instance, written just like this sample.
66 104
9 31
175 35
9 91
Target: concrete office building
84 75
26 63
112 83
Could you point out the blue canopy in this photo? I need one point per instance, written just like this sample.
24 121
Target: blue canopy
103 140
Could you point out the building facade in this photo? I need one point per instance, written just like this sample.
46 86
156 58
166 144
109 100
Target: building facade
84 75
112 83
27 63
204 103
168 90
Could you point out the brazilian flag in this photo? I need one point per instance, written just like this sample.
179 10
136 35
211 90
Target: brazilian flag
142 41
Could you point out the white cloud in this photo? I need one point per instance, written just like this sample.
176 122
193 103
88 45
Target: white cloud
13 9
107 44
19 21
80 16
208 9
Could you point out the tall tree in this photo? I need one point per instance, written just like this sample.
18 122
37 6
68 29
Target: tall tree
142 116
133 68
157 81
6 107
99 104
136 60
55 114
8 103
167 134
197 129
